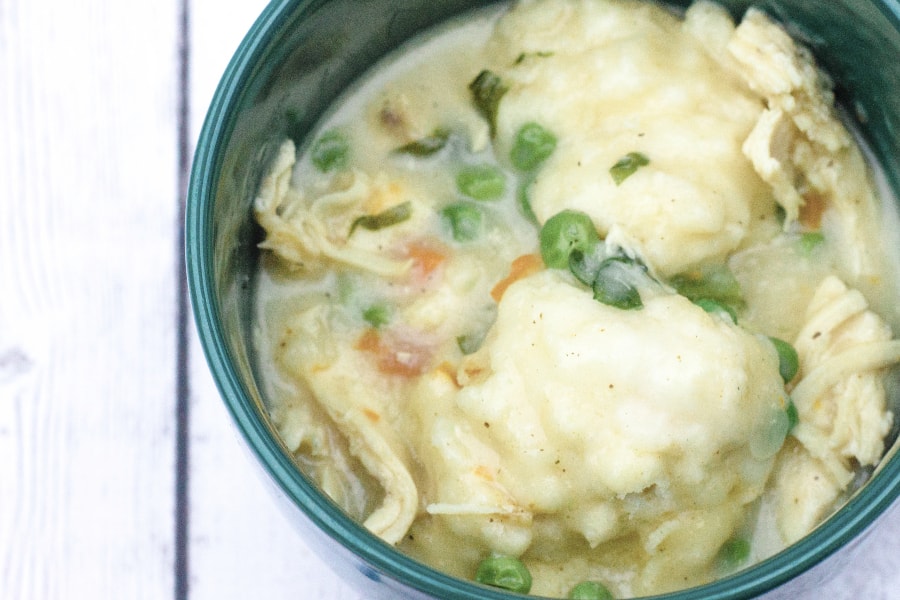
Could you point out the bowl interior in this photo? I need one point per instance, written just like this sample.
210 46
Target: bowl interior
296 59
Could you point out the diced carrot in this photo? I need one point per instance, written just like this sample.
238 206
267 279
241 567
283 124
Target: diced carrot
811 211
370 341
371 415
522 267
395 357
425 258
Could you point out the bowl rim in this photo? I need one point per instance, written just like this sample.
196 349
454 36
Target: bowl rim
848 524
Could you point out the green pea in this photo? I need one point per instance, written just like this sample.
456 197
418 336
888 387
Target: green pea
590 590
564 232
377 315
733 553
464 219
614 284
788 361
809 241
481 182
626 166
507 572
533 145
330 152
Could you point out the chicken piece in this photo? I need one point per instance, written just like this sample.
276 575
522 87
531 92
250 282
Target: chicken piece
360 408
841 401
302 231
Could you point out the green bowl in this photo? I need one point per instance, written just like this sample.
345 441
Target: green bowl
295 60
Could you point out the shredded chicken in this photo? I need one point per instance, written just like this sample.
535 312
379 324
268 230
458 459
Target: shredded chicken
303 232
841 401
358 410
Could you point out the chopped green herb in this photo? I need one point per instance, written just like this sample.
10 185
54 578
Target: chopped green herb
330 152
780 214
627 165
585 265
533 145
506 572
788 361
481 182
386 218
426 146
717 308
469 343
523 195
733 553
464 219
377 315
712 282
809 241
521 58
792 414
487 91
615 283
564 232
590 590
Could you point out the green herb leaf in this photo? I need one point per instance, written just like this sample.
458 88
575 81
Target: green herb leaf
487 91
386 218
330 152
523 195
540 54
506 572
792 414
615 283
533 145
711 282
377 315
426 146
788 361
470 343
585 265
716 308
481 182
627 165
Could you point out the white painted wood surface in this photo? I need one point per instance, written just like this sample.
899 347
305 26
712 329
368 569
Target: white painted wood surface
90 115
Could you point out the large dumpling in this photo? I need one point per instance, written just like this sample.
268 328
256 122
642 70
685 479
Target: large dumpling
613 421
618 83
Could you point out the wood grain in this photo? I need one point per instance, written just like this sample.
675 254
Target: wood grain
91 147
88 209
236 529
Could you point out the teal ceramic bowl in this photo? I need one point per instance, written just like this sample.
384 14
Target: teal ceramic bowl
294 61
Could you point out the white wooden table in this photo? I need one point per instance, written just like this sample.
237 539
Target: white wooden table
120 474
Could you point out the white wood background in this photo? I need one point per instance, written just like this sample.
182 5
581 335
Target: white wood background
100 104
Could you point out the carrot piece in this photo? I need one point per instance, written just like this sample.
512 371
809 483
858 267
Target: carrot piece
522 267
425 258
396 357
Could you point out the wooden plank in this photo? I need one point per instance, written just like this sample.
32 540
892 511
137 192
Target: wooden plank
240 543
88 210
